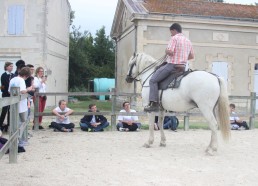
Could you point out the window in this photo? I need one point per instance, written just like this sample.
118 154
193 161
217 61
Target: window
15 19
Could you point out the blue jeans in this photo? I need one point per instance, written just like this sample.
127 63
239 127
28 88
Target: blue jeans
86 126
167 125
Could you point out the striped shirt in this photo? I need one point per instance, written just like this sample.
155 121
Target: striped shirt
181 48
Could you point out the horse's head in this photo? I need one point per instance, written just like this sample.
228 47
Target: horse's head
132 72
138 65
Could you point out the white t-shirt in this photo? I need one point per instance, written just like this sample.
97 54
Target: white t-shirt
233 116
39 85
19 82
127 118
93 120
66 120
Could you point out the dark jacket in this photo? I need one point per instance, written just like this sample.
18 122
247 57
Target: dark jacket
28 83
5 80
88 118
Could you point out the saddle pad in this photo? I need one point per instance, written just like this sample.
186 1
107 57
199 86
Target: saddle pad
173 80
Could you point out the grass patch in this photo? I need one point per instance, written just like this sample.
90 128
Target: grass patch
81 106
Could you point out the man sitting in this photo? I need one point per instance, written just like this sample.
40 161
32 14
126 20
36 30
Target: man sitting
235 121
62 122
127 123
93 123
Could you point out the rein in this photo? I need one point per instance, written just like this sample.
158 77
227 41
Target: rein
162 59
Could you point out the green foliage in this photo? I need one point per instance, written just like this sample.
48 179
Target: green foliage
89 57
72 16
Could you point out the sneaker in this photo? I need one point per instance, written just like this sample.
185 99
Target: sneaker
121 129
40 127
55 130
69 130
90 130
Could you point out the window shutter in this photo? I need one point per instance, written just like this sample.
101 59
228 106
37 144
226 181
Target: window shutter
221 69
16 20
19 19
11 20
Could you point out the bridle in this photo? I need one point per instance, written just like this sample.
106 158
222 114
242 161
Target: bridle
129 77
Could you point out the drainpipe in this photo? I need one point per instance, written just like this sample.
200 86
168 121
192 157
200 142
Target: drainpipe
135 50
44 35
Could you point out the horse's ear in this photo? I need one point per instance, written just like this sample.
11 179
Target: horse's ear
134 54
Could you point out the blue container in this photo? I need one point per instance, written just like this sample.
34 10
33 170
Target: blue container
103 85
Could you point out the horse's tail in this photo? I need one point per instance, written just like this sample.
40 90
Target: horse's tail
223 110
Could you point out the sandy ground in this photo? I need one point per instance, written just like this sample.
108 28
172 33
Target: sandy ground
118 158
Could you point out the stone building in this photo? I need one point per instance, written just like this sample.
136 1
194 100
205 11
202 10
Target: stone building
37 32
224 37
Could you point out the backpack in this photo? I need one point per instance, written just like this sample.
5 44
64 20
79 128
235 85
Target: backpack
174 122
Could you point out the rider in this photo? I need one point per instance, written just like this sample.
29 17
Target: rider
179 50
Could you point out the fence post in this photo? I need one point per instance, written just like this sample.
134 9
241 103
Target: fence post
186 122
113 116
36 110
252 110
13 150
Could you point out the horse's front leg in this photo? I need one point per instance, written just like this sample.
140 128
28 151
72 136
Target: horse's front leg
151 131
162 134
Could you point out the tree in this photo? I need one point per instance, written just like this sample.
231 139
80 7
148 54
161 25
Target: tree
103 55
79 68
89 58
72 16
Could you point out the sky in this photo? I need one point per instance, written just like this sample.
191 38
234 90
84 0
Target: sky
91 15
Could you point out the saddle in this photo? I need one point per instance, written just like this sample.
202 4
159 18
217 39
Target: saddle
173 80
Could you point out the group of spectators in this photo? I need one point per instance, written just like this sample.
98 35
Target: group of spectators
93 122
25 79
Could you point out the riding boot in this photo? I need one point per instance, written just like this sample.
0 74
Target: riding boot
152 107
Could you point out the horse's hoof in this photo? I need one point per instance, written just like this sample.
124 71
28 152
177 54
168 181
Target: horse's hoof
146 145
210 152
162 144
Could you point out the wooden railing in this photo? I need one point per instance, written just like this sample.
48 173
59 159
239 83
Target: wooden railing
15 131
115 113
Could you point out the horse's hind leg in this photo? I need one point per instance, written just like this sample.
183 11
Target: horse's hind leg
209 115
151 131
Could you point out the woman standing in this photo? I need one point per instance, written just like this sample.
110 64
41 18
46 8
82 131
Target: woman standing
40 83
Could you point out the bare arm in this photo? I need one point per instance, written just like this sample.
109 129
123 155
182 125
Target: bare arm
191 56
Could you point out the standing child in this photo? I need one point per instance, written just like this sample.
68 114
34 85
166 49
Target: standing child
5 80
19 81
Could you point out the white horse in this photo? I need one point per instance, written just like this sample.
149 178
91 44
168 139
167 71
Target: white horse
198 89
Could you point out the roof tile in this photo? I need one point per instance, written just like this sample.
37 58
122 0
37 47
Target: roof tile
201 8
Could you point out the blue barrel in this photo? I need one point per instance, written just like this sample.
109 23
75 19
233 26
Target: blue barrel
103 85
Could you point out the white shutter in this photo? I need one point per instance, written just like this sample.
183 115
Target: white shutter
11 20
15 19
19 19
221 69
